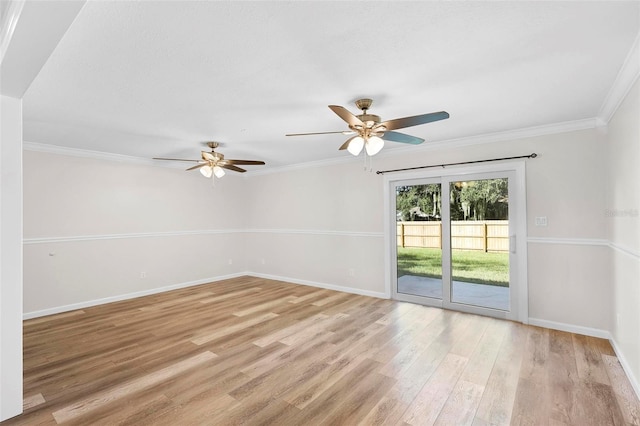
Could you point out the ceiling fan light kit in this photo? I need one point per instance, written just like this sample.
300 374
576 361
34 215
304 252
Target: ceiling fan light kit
218 171
371 131
214 164
355 145
206 171
373 145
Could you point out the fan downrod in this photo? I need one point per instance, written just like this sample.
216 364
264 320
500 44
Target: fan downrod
368 119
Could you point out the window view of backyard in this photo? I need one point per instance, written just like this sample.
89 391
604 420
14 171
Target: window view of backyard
479 229
473 267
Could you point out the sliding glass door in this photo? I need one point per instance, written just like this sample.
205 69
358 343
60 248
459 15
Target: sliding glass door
419 238
455 241
479 242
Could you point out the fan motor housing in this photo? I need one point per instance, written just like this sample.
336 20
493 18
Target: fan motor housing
369 119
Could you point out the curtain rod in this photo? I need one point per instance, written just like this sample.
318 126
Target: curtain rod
381 172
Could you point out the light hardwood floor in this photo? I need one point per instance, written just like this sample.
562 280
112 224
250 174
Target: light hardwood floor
255 351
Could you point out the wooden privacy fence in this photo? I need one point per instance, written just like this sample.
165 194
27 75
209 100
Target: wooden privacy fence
483 235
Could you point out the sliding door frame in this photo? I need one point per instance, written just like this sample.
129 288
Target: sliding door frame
517 202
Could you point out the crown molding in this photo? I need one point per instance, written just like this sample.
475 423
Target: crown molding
302 166
96 155
529 132
508 135
486 138
627 76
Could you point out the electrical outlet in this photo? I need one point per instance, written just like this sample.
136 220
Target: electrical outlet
143 274
230 261
541 221
352 272
262 261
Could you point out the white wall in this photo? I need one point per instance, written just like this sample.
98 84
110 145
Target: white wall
623 219
10 257
319 225
322 224
91 227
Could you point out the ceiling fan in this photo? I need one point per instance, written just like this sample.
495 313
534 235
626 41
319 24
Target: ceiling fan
213 163
370 132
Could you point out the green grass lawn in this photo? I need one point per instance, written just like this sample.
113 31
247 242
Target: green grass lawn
468 266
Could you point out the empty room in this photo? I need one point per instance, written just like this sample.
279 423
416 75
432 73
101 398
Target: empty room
319 212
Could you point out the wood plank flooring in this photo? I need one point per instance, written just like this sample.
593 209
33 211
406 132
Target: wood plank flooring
256 352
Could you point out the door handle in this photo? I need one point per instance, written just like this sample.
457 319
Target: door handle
512 244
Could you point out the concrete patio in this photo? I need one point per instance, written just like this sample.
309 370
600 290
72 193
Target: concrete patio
487 296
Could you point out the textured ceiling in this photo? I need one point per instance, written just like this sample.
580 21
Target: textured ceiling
151 79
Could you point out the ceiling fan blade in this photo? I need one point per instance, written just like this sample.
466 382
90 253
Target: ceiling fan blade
198 166
347 142
344 132
400 123
343 113
174 159
243 162
401 137
207 156
232 167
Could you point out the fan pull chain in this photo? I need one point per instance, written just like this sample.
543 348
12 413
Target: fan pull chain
370 168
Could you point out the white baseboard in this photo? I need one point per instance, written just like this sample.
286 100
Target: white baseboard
571 328
625 366
352 290
118 298
594 332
